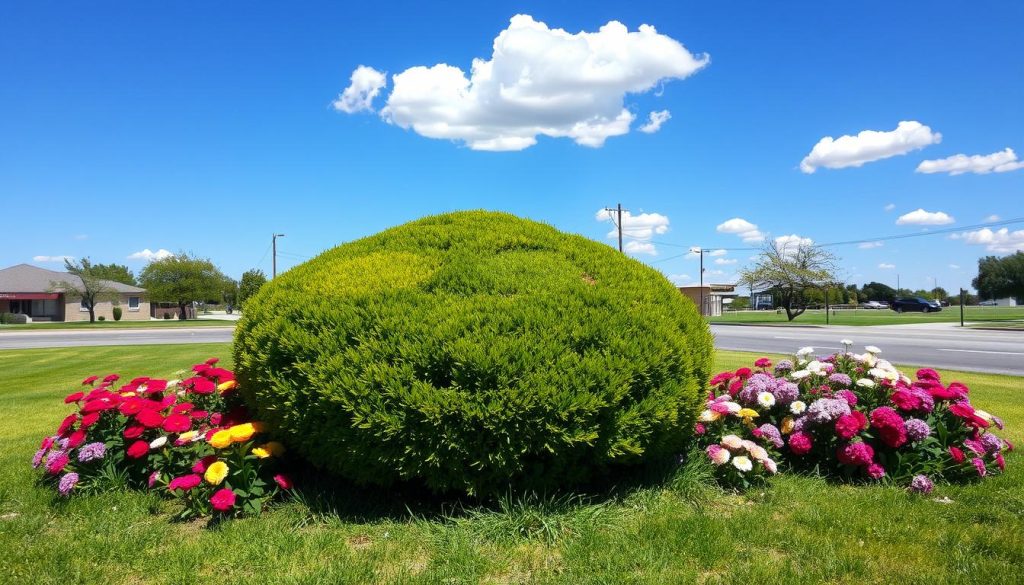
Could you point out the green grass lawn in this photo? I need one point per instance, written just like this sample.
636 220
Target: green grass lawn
677 530
156 324
875 316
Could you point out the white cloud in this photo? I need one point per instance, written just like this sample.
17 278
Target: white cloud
885 266
955 266
979 164
149 255
723 261
635 247
715 272
539 81
718 252
992 218
654 121
366 83
747 231
890 207
870 245
922 217
680 278
640 227
1001 241
792 241
868 146
60 259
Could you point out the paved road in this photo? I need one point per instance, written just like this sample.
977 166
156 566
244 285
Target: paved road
23 339
935 344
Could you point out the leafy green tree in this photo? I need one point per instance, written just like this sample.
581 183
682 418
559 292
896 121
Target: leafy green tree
876 291
1000 277
792 270
250 284
182 279
115 272
89 287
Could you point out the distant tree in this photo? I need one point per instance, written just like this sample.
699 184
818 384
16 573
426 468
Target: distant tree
229 291
115 272
182 279
792 270
739 303
876 291
89 288
940 294
1000 277
250 284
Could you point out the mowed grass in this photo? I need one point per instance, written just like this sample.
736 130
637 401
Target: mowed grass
676 529
154 324
874 316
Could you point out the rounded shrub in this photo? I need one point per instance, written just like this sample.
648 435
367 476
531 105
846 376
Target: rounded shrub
474 352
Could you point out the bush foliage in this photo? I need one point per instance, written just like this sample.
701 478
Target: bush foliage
474 352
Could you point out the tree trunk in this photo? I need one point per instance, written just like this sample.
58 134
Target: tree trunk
92 313
182 316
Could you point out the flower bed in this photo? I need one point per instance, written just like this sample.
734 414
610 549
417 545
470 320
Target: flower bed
850 416
190 439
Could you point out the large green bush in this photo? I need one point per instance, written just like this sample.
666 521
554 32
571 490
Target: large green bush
474 351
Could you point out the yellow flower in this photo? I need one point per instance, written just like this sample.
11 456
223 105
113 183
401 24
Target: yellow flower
226 386
747 413
242 432
261 452
216 472
267 449
221 439
187 436
787 425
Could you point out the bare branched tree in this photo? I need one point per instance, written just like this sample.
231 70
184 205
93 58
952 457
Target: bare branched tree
790 269
88 287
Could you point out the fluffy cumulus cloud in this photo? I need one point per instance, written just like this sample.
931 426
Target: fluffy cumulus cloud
868 146
637 247
724 261
365 84
886 266
60 259
870 245
655 120
791 243
149 255
747 231
979 164
922 217
636 228
539 81
1001 241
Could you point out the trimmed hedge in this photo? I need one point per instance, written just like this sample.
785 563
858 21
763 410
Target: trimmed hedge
474 351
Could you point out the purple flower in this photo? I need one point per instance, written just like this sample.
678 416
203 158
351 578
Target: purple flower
785 392
783 367
92 451
998 421
799 423
921 485
770 433
991 443
840 379
848 396
917 429
979 465
755 385
927 402
63 443
826 410
37 459
67 482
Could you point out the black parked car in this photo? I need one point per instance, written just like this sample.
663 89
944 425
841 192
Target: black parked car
904 304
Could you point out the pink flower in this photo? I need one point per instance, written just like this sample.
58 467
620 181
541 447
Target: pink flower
876 471
74 397
212 361
699 429
150 419
138 449
847 426
152 478
979 465
177 423
905 401
223 500
56 464
965 412
185 482
800 443
66 424
283 481
848 396
890 425
956 454
90 380
856 454
1000 461
763 363
201 465
721 378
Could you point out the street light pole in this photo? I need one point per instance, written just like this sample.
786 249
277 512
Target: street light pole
274 244
701 252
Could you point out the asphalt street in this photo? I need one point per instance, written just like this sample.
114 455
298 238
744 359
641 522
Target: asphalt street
936 345
940 345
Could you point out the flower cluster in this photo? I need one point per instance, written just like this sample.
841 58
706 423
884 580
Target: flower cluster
189 438
852 416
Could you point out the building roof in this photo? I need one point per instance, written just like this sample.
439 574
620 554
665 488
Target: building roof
25 278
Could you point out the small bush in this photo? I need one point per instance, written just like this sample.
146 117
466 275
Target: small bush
101 318
167 315
474 351
117 313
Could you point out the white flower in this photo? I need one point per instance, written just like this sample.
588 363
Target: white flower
732 442
158 442
173 383
846 342
766 399
797 407
866 383
816 368
805 351
872 349
757 452
984 415
742 463
733 407
720 456
799 374
709 416
770 466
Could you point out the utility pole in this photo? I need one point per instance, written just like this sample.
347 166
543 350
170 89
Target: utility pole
274 243
618 221
898 289
700 251
961 307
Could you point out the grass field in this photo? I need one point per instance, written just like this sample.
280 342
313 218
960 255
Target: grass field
677 529
875 316
155 324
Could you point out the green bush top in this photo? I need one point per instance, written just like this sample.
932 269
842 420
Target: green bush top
474 351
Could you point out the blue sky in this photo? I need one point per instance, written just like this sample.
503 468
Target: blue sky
205 127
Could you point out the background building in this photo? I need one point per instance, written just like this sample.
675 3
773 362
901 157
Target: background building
34 293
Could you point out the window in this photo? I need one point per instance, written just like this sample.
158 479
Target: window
82 307
133 303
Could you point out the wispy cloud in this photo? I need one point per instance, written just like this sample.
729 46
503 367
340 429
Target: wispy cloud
149 255
922 217
980 164
59 259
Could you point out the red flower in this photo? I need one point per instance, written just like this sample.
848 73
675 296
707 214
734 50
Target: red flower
76 439
763 363
101 404
928 374
735 386
46 444
219 374
131 406
212 361
847 426
74 397
139 381
201 465
215 418
199 385
1000 461
743 373
185 482
891 428
905 401
223 500
65 425
150 419
90 380
961 390
177 423
89 420
183 408
721 378
800 443
965 412
199 368
134 431
56 464
111 378
956 454
199 414
138 449
283 481
153 386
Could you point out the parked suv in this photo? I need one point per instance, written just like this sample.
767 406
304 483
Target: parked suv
903 304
